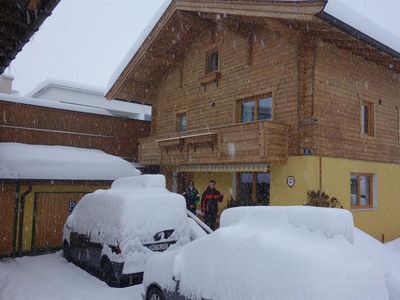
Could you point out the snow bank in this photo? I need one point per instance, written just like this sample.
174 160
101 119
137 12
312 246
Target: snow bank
331 222
394 245
23 161
130 217
386 260
250 257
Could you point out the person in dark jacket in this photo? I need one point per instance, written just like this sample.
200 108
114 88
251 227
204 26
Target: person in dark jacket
209 204
192 197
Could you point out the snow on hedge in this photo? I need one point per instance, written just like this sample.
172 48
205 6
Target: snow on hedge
23 161
252 257
129 215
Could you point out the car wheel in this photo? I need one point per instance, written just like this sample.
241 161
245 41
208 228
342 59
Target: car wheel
108 274
67 251
154 293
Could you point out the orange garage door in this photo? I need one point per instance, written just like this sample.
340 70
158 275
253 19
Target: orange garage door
7 213
50 213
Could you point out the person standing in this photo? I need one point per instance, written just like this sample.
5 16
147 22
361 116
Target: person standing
209 204
192 197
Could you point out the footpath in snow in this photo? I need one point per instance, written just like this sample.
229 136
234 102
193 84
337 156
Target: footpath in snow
50 277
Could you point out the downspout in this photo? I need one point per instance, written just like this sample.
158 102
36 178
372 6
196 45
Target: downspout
21 217
17 190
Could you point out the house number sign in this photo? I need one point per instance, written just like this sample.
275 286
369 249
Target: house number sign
291 181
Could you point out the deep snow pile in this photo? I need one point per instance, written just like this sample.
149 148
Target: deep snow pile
273 253
394 245
23 161
129 215
51 277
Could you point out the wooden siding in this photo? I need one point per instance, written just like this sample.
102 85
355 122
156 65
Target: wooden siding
343 82
50 213
30 124
258 142
273 70
7 213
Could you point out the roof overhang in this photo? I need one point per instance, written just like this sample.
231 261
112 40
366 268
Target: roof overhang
19 20
135 81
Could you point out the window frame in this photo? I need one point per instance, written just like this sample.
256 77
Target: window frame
371 118
253 185
207 65
177 115
371 202
257 100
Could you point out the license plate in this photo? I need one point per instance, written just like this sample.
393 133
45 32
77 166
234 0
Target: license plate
158 247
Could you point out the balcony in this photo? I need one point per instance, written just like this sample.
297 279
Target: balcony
258 142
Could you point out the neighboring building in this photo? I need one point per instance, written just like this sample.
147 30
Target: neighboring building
52 122
49 158
19 20
272 99
39 187
89 96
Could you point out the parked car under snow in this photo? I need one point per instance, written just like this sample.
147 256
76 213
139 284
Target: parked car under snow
114 231
270 253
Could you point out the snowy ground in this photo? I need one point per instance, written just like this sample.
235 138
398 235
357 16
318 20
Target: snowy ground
49 277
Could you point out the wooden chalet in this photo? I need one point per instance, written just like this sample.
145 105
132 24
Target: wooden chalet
272 99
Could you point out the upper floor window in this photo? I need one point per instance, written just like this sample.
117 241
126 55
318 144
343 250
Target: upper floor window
361 189
367 118
212 61
181 122
259 108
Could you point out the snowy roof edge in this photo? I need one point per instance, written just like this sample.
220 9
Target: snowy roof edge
323 15
136 46
50 82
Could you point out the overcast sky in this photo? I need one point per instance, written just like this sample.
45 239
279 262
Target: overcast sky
85 40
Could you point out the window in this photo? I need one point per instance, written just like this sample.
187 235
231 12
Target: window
361 190
367 118
212 61
256 109
181 122
254 187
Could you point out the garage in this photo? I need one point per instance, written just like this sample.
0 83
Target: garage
7 218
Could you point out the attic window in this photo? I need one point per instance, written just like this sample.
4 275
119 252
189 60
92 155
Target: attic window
212 61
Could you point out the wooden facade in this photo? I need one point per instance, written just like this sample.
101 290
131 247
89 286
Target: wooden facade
318 72
30 124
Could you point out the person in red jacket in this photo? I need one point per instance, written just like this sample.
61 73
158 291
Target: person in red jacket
209 204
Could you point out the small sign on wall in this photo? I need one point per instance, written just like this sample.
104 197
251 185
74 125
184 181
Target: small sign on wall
291 181
71 205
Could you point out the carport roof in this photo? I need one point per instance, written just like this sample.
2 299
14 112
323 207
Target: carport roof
43 162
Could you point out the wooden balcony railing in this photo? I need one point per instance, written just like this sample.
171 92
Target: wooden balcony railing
258 142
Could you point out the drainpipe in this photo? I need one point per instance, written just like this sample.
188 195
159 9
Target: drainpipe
17 188
21 217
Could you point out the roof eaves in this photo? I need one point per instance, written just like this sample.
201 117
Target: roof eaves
335 22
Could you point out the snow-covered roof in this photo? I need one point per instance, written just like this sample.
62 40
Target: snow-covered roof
62 105
50 82
340 13
23 161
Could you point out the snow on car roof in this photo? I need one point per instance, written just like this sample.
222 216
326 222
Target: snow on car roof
260 260
134 208
24 161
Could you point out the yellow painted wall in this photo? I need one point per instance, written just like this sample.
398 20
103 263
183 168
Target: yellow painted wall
335 180
29 200
305 169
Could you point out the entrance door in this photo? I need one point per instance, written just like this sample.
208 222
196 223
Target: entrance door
50 213
7 216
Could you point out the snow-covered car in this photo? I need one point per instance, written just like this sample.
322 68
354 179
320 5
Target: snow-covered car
114 231
269 253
